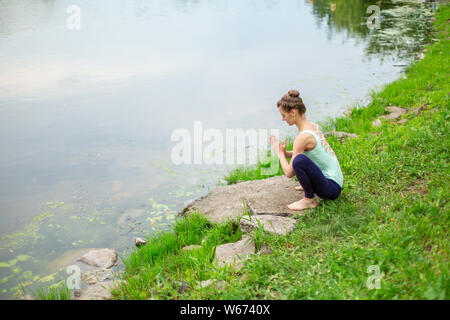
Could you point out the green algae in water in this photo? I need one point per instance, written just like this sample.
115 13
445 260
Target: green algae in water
49 277
161 165
18 239
53 205
23 257
16 270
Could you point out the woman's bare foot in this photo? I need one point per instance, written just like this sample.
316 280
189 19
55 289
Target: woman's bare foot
303 204
299 188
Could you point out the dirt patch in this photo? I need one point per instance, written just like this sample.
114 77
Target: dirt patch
419 186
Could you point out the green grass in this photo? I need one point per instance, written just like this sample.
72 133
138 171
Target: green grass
393 213
53 293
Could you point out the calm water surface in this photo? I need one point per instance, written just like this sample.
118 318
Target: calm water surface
86 115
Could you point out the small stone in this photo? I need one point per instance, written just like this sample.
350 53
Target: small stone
377 123
416 111
139 242
265 249
348 112
220 284
340 135
206 283
183 287
234 253
402 121
210 282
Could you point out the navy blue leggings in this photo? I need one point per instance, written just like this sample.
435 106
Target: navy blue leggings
312 179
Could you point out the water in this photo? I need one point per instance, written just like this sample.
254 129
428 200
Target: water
86 115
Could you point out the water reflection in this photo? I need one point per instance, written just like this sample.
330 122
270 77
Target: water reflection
405 25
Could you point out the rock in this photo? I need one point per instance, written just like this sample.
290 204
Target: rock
395 113
183 286
402 121
209 282
234 253
340 135
220 284
102 258
139 242
274 224
418 110
98 291
377 123
348 112
190 247
266 196
188 202
265 249
395 109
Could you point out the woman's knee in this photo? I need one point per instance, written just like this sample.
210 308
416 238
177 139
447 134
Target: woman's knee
300 161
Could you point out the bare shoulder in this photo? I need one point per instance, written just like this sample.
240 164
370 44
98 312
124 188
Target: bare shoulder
302 136
304 142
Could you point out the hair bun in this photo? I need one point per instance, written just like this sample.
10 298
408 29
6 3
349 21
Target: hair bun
293 93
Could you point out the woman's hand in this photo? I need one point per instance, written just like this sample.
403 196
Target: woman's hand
277 147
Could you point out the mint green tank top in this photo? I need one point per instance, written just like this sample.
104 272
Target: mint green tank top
325 158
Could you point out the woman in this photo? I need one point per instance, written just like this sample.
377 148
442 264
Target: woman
313 161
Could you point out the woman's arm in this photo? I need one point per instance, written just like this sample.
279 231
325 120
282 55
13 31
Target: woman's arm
287 167
302 141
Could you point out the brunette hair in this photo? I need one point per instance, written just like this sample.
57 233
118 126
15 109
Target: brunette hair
292 100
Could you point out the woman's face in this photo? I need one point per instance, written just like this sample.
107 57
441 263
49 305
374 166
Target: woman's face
289 117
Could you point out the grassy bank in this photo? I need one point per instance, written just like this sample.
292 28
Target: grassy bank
393 213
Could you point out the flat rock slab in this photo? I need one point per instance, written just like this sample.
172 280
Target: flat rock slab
266 196
274 224
102 258
98 291
234 253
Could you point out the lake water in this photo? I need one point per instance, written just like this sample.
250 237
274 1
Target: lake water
86 115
